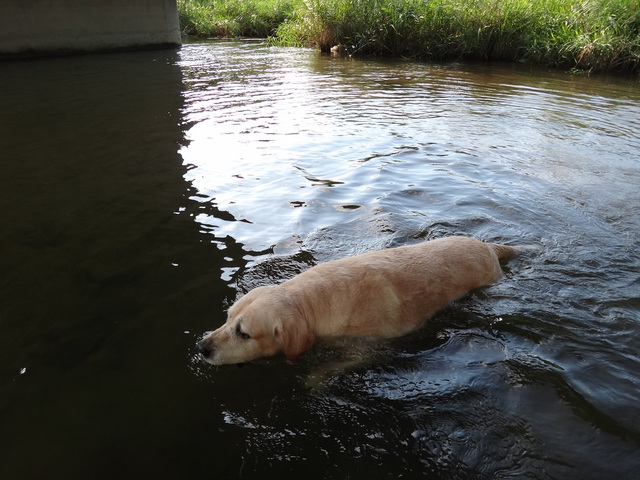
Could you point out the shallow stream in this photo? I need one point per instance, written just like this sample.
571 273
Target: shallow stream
143 192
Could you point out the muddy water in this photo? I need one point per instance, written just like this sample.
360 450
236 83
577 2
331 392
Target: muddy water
141 193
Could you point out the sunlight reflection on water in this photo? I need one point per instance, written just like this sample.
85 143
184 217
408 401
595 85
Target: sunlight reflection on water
295 132
335 156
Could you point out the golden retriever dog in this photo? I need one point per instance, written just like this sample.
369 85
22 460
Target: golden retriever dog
385 293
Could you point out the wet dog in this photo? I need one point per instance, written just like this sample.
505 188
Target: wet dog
386 293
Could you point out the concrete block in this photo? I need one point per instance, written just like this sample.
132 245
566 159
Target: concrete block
46 27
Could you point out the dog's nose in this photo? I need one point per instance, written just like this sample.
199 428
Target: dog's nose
203 348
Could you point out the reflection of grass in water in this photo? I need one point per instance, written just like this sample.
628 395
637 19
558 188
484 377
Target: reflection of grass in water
584 34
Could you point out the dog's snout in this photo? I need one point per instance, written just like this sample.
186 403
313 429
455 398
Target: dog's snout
203 348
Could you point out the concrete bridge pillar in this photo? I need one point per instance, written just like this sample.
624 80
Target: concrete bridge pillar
52 27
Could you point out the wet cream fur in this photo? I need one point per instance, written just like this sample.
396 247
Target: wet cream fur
386 293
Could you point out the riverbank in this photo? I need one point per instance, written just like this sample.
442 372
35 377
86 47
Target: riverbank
592 35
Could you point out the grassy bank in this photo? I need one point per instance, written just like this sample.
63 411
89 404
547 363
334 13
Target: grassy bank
584 34
235 18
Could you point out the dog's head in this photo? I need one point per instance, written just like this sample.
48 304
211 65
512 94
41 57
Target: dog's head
261 324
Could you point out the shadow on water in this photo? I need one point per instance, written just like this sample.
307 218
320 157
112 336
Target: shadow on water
104 271
142 192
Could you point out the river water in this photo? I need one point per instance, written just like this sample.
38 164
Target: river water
143 192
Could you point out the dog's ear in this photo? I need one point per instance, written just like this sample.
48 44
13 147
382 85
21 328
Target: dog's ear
294 337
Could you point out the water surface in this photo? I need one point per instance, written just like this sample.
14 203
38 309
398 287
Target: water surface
143 192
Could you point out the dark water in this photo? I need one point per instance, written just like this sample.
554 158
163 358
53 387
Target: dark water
140 192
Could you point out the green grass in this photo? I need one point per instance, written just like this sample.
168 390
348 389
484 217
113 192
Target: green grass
234 18
582 34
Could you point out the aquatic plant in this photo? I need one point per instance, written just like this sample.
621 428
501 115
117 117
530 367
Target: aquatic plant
582 34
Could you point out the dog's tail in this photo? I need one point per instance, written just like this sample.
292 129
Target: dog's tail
505 252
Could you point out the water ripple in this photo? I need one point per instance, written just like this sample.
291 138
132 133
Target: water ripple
313 158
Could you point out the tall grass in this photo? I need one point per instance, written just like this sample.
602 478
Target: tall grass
584 34
234 18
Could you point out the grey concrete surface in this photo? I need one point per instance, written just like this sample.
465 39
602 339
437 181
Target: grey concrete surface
50 27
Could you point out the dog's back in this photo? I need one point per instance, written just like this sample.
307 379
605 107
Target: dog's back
390 292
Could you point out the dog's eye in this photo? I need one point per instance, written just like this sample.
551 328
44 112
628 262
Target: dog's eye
242 334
